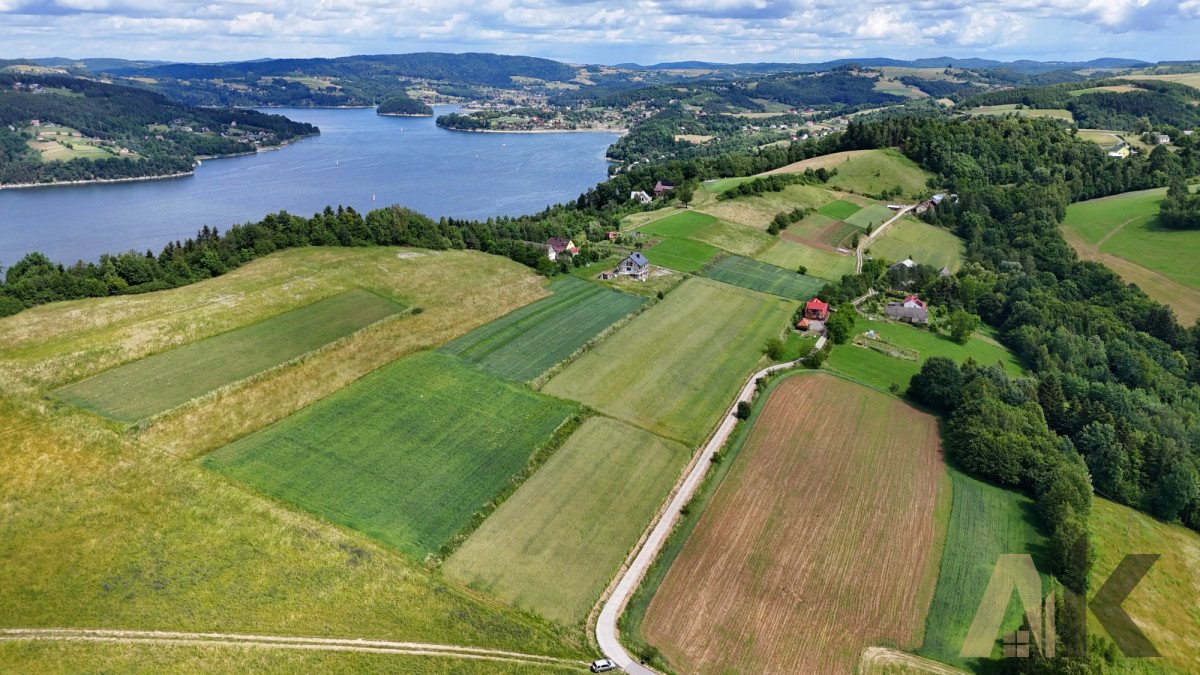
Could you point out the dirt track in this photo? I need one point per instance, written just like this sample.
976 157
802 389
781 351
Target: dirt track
819 542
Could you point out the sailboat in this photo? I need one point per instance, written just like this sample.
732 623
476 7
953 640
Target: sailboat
372 196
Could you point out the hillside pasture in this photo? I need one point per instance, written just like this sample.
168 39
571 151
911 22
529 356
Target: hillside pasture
1122 232
916 239
883 370
681 224
1114 89
1105 139
407 455
681 255
985 523
868 171
676 367
819 263
1025 111
870 217
157 383
758 211
564 523
1189 79
737 239
1166 602
764 277
823 538
527 342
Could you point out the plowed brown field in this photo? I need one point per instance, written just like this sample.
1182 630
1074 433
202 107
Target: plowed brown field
821 541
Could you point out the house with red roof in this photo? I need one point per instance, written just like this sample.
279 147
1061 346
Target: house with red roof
816 310
556 246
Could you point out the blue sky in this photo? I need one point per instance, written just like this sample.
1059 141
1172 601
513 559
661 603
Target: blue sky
583 31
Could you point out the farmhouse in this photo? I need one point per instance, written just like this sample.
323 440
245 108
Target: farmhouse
911 310
1162 139
1120 150
556 246
641 196
634 266
662 187
907 264
816 310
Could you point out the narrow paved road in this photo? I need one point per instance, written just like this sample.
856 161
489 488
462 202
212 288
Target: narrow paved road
161 637
606 625
862 244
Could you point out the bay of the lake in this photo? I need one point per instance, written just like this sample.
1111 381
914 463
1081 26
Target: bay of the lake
360 159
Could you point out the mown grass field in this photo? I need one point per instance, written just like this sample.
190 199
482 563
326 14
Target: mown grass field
111 529
406 455
840 209
757 211
881 370
169 379
1122 232
737 239
526 343
764 277
822 539
33 657
682 224
558 541
868 171
681 255
820 263
1166 602
985 522
924 243
675 368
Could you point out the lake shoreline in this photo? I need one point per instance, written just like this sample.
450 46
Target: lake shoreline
97 181
619 132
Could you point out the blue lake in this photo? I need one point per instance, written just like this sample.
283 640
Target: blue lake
360 159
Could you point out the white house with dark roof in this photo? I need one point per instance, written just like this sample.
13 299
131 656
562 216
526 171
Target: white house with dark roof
634 266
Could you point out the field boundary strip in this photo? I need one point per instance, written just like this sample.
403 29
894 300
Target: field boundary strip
277 642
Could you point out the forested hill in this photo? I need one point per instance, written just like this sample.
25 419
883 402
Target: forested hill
70 129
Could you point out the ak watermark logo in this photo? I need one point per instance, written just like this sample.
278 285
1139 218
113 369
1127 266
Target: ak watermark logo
1017 572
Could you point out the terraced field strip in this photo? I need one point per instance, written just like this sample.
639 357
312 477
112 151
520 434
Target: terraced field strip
871 216
682 224
529 341
916 239
276 642
674 368
764 277
985 522
566 523
407 455
683 255
820 541
157 383
840 209
821 263
838 234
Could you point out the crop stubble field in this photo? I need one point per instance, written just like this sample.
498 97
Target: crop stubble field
407 454
525 343
163 381
821 540
675 368
573 522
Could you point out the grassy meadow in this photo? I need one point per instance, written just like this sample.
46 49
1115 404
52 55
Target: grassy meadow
985 522
675 368
882 371
111 529
1024 111
151 385
840 209
764 277
820 263
524 344
681 255
868 172
573 522
870 217
924 243
407 455
1122 232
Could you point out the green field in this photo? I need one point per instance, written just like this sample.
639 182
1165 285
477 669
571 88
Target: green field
823 264
683 224
683 255
874 171
675 368
407 455
882 371
1122 232
737 239
723 184
526 343
924 243
985 523
840 209
871 216
765 277
1011 109
573 522
169 379
1166 602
